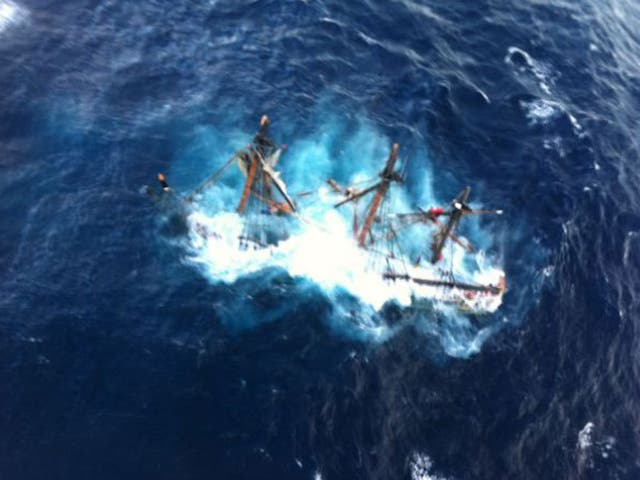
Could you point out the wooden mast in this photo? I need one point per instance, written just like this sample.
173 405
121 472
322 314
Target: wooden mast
248 184
387 176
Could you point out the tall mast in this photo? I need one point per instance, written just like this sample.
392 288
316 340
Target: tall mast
248 184
460 208
387 175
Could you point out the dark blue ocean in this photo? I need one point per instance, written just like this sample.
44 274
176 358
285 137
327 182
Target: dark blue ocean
122 358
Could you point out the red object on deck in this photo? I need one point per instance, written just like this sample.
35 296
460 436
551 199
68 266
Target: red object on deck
436 211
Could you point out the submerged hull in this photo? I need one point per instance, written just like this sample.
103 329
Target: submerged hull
474 298
477 303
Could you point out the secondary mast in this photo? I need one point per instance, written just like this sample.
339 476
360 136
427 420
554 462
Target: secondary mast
388 176
380 188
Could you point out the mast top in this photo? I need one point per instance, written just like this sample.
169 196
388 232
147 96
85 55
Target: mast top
388 173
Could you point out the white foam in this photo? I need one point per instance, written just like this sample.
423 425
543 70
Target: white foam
574 122
483 94
10 14
585 436
421 468
539 71
555 143
324 252
590 446
423 10
548 271
626 251
540 111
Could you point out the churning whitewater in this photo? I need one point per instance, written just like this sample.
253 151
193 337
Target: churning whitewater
318 245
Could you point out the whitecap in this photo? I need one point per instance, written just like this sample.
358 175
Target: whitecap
548 270
483 94
594 449
540 111
521 60
574 122
421 468
585 436
631 236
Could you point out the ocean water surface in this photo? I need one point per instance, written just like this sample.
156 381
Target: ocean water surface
129 351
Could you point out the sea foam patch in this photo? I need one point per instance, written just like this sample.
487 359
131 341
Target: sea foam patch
421 468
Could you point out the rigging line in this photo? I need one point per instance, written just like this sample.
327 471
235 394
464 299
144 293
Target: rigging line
393 230
395 239
450 274
212 179
260 220
316 191
362 182
403 169
391 244
358 195
402 257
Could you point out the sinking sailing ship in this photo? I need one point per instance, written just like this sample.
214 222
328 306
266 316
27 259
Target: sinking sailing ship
381 231
265 204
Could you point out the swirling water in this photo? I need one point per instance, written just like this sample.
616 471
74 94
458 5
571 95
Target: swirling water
121 358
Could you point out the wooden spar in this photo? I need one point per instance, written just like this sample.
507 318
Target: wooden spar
334 185
387 176
247 186
356 196
496 290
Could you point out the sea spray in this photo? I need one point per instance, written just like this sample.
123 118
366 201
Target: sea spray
319 245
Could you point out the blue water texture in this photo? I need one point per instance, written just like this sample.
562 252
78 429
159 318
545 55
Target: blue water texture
121 357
